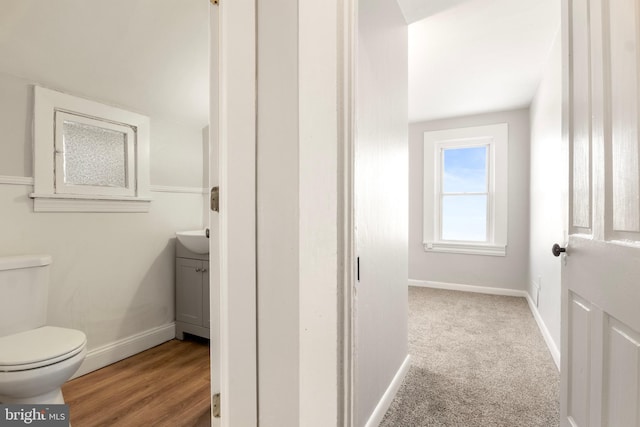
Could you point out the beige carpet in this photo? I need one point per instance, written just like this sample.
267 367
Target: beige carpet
476 360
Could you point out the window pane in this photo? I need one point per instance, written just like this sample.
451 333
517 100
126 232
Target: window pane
464 218
464 170
94 155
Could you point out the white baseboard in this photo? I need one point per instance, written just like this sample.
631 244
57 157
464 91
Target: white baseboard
553 349
468 288
126 347
383 405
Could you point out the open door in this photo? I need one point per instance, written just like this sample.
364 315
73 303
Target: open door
600 365
232 253
214 223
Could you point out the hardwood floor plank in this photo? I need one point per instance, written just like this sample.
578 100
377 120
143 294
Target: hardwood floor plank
167 385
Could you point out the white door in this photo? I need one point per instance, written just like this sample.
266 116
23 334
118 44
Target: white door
214 220
232 260
600 366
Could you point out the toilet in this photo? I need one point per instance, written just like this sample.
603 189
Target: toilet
35 359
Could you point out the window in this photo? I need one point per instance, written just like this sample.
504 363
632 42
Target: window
465 198
88 157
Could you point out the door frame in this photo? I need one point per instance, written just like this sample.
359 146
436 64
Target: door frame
347 246
327 34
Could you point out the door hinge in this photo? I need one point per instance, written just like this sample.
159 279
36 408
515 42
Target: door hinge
215 199
215 405
214 2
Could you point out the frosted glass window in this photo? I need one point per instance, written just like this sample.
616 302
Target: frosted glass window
94 155
464 218
88 156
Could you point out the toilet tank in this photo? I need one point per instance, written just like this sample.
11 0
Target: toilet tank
24 289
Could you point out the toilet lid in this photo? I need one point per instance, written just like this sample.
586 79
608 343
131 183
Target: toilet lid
39 347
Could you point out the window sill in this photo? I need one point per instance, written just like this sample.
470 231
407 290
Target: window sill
466 248
89 203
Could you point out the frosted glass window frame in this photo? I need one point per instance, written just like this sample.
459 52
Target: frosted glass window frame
64 188
495 137
48 195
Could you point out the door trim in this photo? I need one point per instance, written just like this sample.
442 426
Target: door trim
237 216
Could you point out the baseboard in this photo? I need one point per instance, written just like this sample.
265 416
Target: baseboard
126 347
383 405
553 349
468 288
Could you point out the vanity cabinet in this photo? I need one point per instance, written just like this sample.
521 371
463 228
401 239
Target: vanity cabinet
192 293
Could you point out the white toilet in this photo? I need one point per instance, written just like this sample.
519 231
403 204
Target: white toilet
35 360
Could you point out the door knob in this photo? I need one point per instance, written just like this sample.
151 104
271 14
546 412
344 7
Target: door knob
556 250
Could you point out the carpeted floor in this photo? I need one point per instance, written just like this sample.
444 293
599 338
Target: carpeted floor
476 360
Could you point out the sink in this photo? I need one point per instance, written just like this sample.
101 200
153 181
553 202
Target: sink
196 241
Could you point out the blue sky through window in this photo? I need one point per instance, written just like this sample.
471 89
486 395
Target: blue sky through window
465 170
464 217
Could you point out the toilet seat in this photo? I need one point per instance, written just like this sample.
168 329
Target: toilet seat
39 347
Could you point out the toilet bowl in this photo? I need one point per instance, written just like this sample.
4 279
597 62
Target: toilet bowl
35 359
34 364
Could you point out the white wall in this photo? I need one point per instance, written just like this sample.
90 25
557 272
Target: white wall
112 273
509 272
546 197
381 201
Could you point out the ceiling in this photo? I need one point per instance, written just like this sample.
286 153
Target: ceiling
150 56
416 10
473 56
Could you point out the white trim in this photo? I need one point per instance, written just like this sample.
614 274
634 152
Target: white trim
466 248
388 396
497 202
172 189
468 288
28 181
553 348
16 180
58 203
126 347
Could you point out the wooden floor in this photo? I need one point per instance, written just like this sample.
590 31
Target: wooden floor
167 385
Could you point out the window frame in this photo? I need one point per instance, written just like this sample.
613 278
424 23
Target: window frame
495 137
50 193
130 164
440 194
